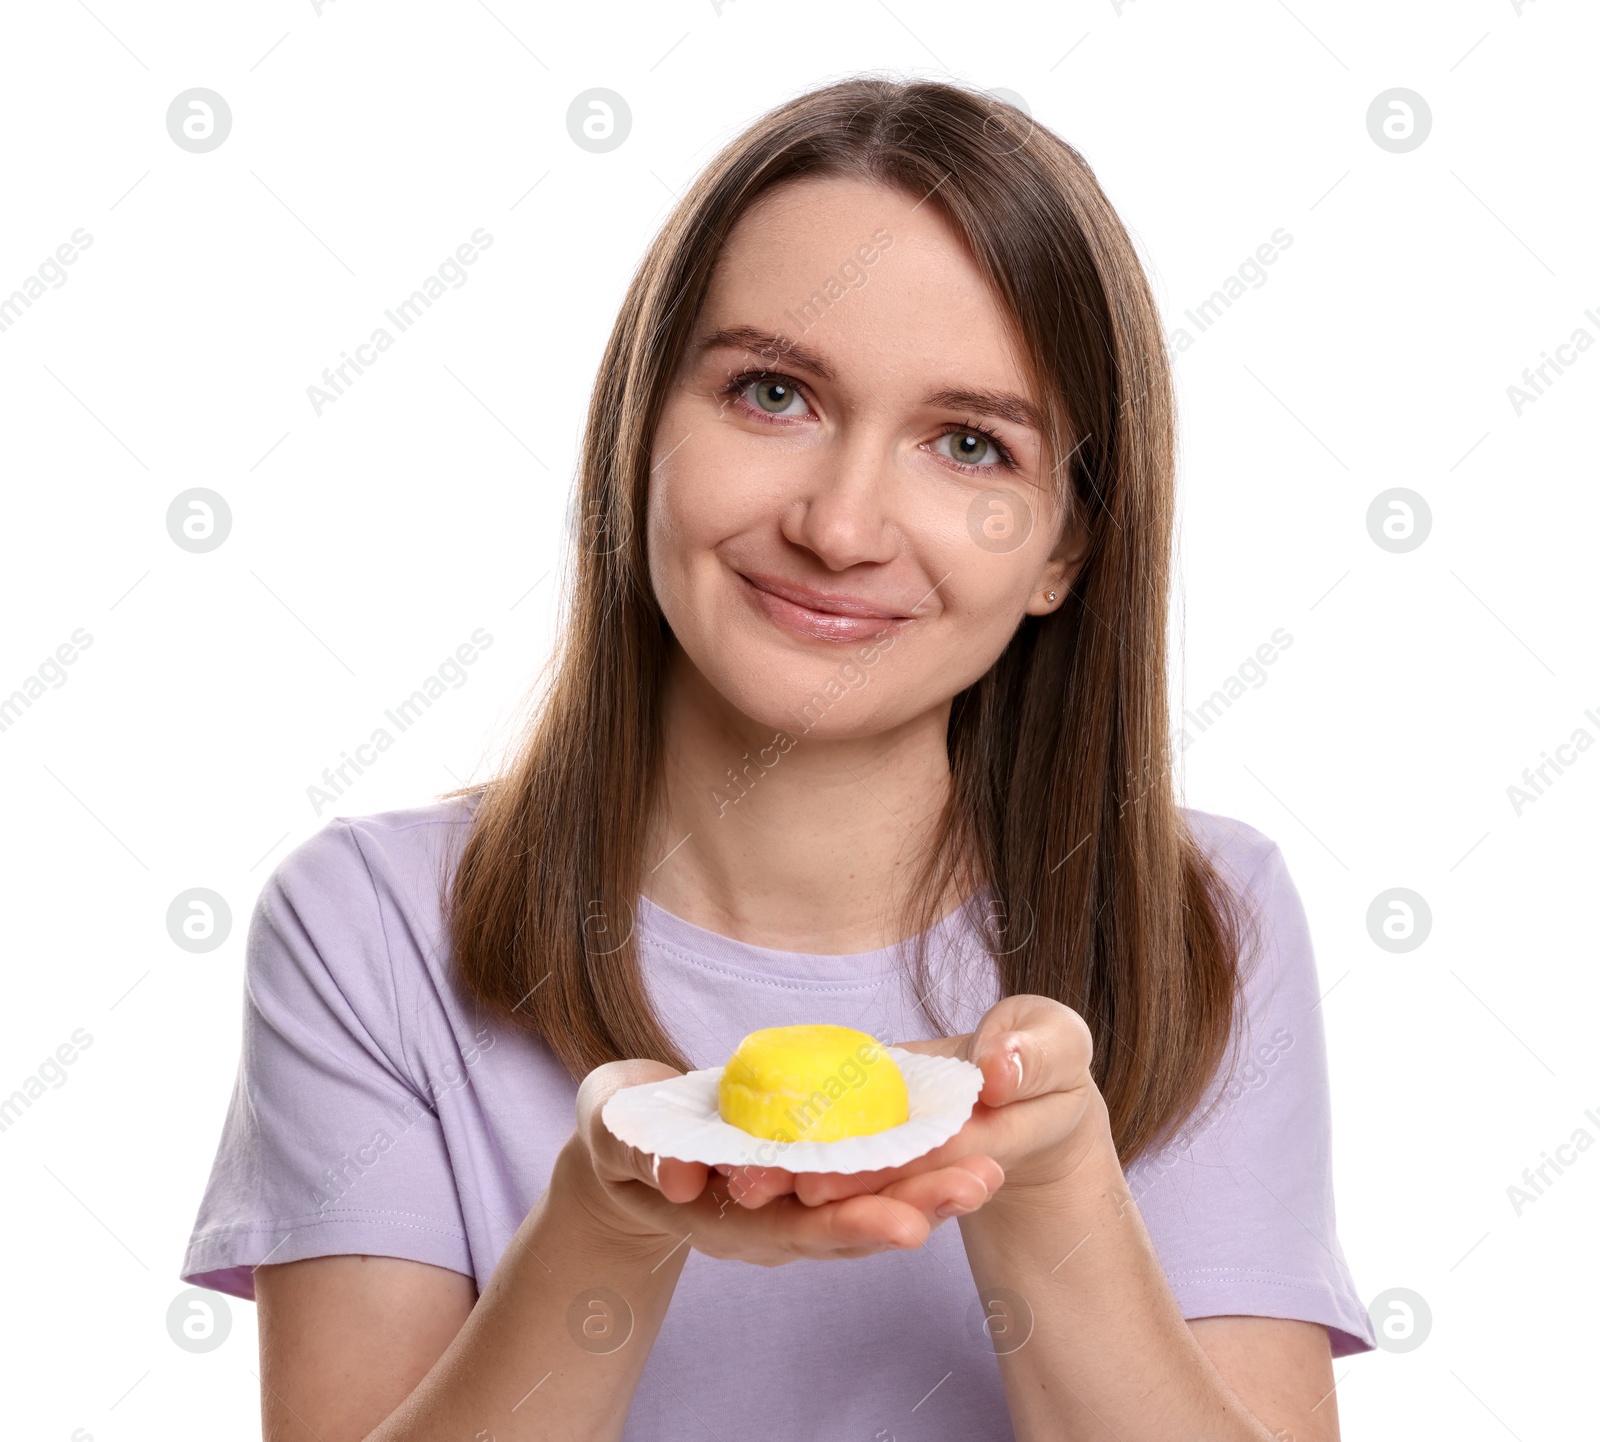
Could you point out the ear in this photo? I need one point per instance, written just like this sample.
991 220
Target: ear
1059 571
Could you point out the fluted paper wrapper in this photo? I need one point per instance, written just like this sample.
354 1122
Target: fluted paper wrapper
679 1118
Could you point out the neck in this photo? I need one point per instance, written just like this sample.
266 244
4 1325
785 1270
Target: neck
798 843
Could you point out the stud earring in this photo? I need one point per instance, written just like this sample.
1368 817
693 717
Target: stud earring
1049 595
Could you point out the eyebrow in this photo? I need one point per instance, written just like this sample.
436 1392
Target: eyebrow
1003 404
764 344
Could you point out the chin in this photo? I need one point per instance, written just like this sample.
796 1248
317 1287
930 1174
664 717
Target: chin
804 700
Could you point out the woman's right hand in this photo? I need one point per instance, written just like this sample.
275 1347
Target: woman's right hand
637 1199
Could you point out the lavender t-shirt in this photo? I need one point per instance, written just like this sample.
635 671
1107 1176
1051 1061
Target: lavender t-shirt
378 1110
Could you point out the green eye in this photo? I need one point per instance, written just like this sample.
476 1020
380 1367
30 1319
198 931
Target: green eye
969 447
773 395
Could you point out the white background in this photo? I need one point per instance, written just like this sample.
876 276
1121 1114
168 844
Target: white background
367 543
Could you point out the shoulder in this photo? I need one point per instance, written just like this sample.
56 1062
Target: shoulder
1277 1043
351 856
345 923
357 894
1278 956
1234 846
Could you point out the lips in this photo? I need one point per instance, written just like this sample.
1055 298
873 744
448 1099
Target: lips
820 615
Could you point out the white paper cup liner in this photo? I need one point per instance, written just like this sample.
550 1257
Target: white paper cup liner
679 1118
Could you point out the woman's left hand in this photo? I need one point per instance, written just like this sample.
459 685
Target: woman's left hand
1038 1115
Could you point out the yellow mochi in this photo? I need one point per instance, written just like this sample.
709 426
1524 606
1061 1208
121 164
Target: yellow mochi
814 1083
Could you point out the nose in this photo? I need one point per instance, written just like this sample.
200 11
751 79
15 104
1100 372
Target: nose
842 513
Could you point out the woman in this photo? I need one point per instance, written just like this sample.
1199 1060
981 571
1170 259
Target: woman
860 717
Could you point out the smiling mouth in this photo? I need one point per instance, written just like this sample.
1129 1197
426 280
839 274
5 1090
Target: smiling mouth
819 615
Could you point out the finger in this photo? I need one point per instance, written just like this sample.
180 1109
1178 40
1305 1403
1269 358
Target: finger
786 1229
754 1186
952 1190
678 1180
817 1187
616 1161
1029 1046
933 1184
986 1169
874 1221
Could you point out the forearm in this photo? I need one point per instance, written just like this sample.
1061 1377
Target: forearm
549 1351
1108 1347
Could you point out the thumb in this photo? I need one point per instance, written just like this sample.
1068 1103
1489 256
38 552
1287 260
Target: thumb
614 1160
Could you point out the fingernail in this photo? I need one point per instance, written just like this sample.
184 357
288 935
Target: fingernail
953 1209
655 1170
1016 1061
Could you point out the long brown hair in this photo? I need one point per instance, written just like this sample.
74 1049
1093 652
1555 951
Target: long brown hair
1062 800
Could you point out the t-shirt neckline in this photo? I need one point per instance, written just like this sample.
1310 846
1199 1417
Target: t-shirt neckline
659 926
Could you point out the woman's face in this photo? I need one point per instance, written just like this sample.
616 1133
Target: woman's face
850 510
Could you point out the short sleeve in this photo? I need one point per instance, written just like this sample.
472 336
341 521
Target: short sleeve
327 1146
1240 1203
